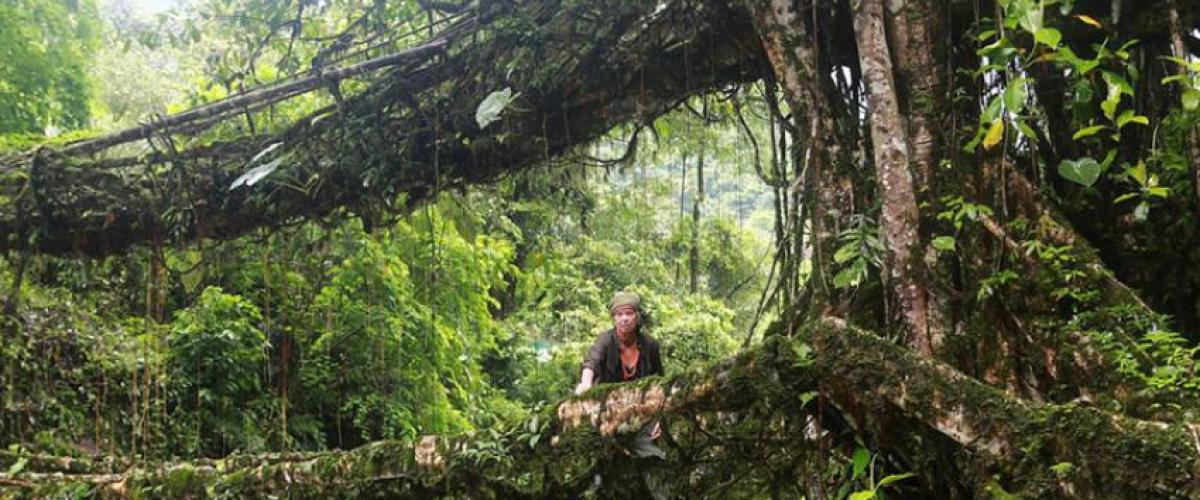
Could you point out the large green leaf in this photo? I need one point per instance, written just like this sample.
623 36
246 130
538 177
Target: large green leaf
944 243
1087 131
1048 36
861 458
1015 95
1191 99
489 110
846 252
1083 171
852 275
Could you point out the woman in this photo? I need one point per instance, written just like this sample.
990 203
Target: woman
622 354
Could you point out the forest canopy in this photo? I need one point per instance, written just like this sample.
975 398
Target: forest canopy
897 248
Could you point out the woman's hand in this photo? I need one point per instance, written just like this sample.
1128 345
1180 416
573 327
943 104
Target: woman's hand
656 432
582 387
585 381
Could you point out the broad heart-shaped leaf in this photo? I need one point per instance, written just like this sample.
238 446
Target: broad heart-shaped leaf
489 110
1083 171
1031 19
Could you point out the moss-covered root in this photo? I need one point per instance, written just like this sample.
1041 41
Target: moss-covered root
999 442
965 438
557 458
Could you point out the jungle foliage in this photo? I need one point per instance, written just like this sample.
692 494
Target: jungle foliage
466 314
891 248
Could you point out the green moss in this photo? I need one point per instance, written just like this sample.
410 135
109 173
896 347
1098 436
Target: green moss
17 143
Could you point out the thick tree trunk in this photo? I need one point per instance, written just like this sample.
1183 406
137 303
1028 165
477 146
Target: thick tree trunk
899 218
791 51
912 25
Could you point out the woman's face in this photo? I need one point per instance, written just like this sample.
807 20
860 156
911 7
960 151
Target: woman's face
625 319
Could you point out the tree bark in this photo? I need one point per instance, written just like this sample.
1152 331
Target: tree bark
899 218
791 50
912 25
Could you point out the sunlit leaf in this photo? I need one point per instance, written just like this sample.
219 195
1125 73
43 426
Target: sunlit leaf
489 110
1138 173
994 134
1048 36
1089 20
1174 78
1118 81
1026 131
1128 116
991 112
1191 99
1087 131
18 466
1159 191
266 151
851 276
846 252
1125 197
1031 18
1109 105
892 478
1141 212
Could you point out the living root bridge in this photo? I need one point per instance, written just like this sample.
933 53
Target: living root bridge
578 68
909 406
